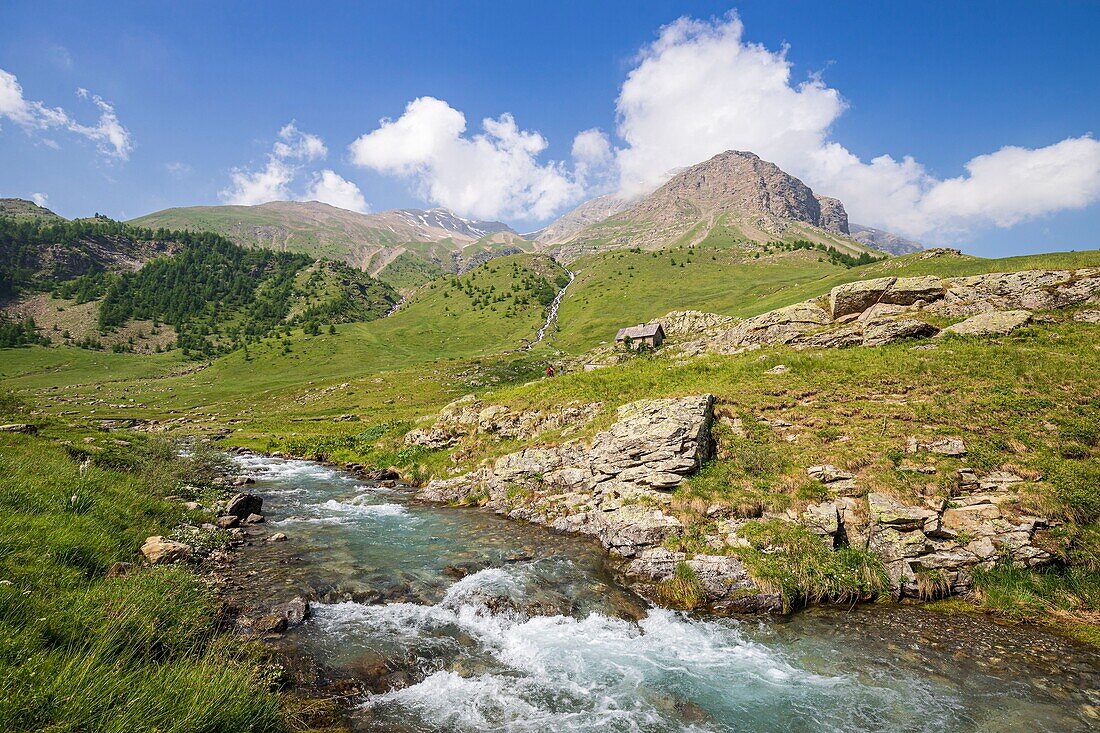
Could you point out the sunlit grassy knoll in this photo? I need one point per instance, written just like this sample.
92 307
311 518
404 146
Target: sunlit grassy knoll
723 274
625 287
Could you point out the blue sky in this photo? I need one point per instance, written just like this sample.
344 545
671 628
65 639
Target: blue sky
191 92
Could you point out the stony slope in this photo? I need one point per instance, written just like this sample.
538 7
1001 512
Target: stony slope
883 241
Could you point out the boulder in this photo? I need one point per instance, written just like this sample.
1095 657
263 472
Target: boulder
775 327
161 551
994 323
878 333
943 446
19 427
886 511
243 505
295 611
253 519
858 296
228 521
911 290
277 537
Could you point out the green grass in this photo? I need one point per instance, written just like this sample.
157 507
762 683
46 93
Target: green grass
622 288
408 271
724 275
794 562
83 652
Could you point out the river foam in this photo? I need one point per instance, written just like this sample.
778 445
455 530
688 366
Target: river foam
584 674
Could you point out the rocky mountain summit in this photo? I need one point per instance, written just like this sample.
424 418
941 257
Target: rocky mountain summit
736 190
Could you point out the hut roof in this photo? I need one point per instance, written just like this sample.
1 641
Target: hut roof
641 331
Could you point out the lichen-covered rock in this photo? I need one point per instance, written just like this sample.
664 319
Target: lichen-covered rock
858 296
612 488
775 327
911 290
694 323
883 332
1023 290
943 446
993 323
469 416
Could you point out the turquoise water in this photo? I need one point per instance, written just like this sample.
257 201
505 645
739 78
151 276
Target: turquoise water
462 621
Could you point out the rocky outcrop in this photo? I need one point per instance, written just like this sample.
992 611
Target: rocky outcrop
777 327
1025 290
932 548
651 447
887 309
694 323
993 323
616 489
469 416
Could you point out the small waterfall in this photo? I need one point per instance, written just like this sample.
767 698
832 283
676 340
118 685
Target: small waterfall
553 314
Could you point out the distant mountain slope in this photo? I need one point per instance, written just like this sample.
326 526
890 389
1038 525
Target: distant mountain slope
89 281
21 208
588 213
734 190
366 241
884 241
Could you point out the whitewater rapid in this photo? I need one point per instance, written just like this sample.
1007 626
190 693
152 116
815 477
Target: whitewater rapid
476 623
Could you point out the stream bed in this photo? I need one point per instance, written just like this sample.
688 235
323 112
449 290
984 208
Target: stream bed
464 621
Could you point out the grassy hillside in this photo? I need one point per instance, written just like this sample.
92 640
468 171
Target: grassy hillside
334 235
444 330
104 284
724 275
408 271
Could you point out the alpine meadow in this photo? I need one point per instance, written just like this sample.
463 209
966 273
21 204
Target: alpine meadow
541 378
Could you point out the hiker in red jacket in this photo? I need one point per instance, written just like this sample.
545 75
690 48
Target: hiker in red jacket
549 371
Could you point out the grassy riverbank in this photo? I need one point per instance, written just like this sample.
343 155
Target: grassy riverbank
85 649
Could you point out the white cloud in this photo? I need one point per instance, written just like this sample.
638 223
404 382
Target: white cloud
330 188
293 143
494 174
112 139
593 160
270 183
40 198
700 89
285 165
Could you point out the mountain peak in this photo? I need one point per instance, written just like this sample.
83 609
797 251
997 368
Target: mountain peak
747 197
